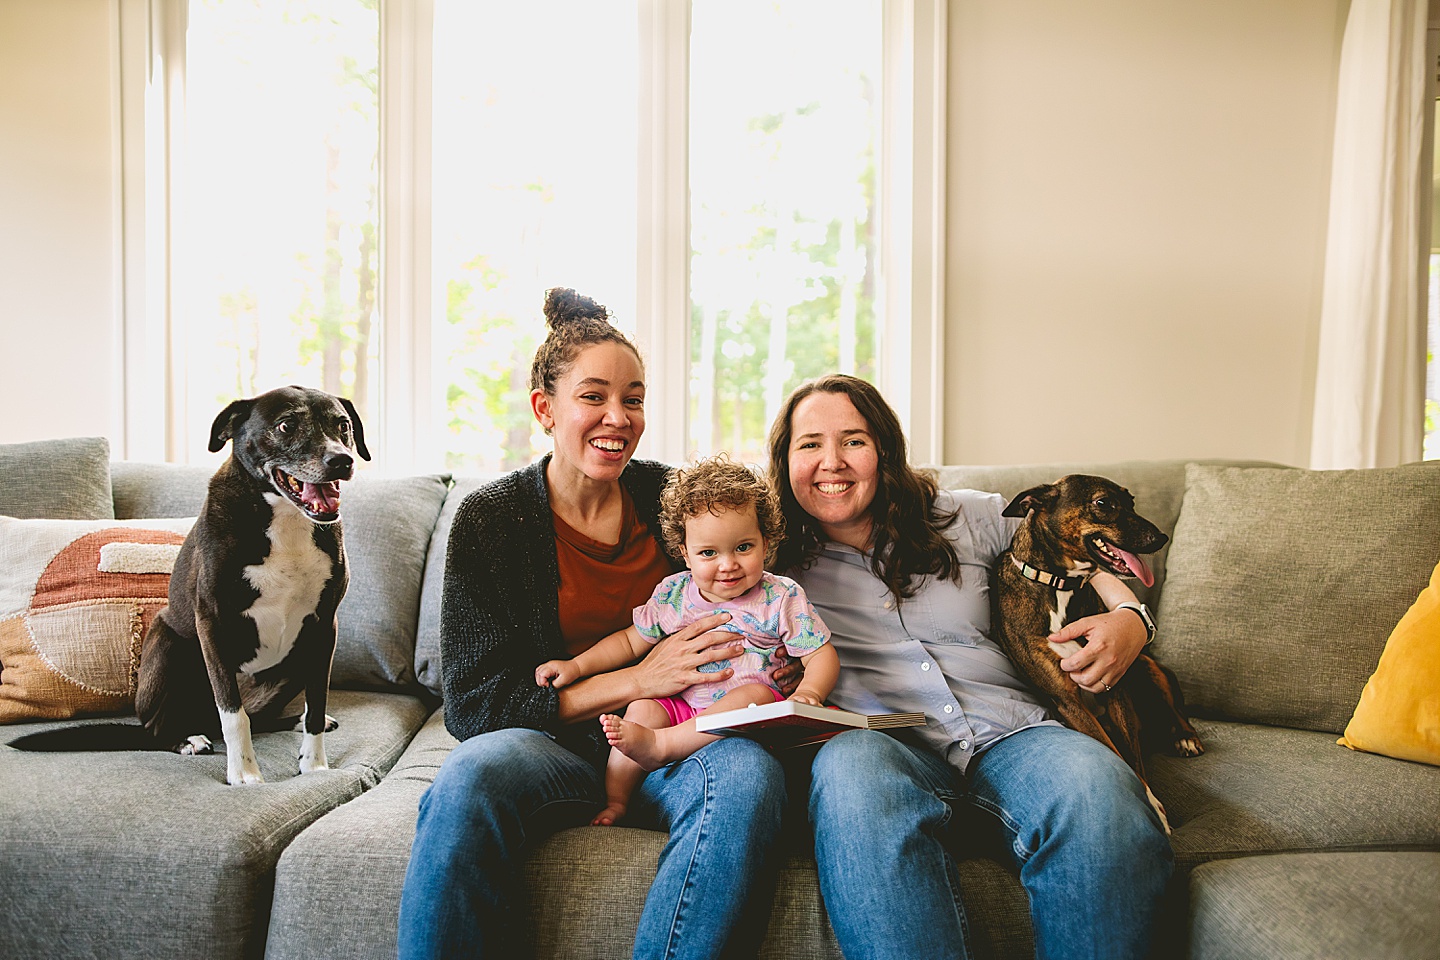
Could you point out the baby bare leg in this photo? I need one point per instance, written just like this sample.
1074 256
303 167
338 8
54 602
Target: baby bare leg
651 749
623 775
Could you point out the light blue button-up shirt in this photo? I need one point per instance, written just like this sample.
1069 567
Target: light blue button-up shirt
932 653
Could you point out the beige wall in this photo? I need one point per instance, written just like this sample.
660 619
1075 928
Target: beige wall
59 261
1137 201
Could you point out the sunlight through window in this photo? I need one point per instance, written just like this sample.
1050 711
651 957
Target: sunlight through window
276 245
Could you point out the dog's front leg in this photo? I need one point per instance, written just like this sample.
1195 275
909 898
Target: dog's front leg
314 722
240 764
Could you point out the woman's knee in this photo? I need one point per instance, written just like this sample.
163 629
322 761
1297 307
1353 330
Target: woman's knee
733 778
1074 788
862 769
484 772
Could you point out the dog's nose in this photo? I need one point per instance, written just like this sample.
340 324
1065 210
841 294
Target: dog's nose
341 462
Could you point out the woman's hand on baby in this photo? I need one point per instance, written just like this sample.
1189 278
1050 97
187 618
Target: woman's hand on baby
556 673
1112 642
787 677
674 663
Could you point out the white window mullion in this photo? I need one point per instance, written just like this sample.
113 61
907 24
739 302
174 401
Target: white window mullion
406 435
662 295
912 215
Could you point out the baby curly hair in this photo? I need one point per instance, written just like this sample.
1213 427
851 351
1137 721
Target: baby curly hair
716 483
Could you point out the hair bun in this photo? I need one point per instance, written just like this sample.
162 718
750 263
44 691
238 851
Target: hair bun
564 306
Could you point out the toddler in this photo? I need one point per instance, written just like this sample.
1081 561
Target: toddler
725 521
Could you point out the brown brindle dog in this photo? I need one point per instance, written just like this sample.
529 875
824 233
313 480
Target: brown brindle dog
1073 528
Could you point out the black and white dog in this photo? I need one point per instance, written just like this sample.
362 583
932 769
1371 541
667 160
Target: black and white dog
251 616
250 622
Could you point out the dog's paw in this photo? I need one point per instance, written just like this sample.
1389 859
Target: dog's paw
241 769
312 754
194 746
241 778
330 723
1189 747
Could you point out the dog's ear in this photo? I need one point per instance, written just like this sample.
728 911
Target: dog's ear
1035 498
360 447
224 426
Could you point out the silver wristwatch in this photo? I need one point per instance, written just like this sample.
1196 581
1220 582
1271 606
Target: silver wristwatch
1143 612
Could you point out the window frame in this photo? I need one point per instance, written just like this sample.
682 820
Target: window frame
911 210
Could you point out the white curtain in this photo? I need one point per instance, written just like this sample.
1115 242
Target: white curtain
1369 385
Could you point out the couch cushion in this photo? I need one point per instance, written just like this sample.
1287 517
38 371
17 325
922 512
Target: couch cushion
158 489
1399 711
1284 584
363 849
388 526
60 479
151 854
1315 907
1263 789
427 641
76 597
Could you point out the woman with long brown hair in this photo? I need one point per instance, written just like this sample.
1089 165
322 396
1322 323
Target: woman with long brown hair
899 570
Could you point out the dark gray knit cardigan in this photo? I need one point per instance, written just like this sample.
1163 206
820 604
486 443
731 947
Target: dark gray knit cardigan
500 612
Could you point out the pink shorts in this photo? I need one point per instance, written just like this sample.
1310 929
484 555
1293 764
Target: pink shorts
679 711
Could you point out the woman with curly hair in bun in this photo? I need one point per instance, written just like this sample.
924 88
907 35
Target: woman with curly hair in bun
541 564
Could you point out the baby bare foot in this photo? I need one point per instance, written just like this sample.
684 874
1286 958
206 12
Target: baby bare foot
606 818
636 742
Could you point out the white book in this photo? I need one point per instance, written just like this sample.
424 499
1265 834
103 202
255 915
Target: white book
790 723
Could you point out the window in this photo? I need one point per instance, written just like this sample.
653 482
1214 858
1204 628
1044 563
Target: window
534 142
276 230
373 197
783 148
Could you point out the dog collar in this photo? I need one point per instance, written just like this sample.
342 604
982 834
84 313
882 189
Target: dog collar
1049 579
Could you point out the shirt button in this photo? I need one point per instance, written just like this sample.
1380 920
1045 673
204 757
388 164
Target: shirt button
964 744
889 604
925 666
949 708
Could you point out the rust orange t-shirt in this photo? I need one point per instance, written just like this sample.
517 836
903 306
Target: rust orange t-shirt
601 584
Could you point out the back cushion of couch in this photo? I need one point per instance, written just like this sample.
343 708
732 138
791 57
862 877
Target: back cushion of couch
388 524
1284 585
427 639
56 479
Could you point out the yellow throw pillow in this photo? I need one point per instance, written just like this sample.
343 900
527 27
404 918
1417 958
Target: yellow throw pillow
1399 710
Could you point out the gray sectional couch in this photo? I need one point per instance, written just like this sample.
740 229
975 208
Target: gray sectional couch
1274 601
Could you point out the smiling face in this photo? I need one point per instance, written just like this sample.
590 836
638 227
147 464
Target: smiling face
725 551
834 466
597 412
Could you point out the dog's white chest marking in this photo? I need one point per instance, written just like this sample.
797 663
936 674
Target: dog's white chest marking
289 581
1057 620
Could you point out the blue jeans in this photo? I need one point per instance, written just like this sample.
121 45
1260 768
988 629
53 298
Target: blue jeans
498 793
1091 854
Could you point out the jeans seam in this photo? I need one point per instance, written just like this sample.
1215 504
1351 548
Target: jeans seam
672 940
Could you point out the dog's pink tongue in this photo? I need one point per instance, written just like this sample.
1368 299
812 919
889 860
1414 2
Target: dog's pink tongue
322 497
1137 566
